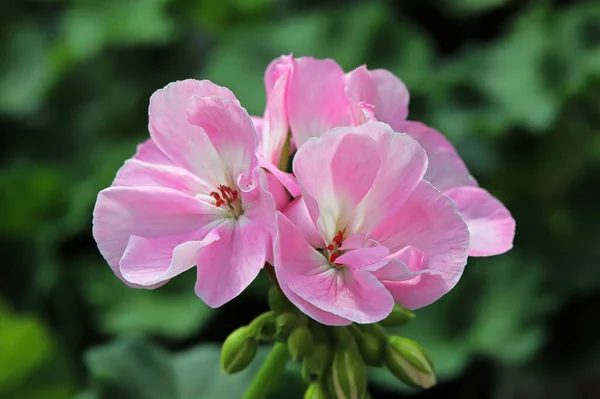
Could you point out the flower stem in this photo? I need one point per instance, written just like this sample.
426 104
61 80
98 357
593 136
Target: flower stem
269 373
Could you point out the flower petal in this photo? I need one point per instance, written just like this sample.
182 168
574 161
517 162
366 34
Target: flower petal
402 166
316 101
491 225
136 173
151 261
298 214
275 129
365 258
227 266
287 179
121 212
430 223
383 90
230 130
352 295
185 144
149 152
446 168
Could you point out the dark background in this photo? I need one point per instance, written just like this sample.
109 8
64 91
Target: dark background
515 85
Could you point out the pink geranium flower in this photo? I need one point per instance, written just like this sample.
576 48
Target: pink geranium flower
319 96
192 195
368 230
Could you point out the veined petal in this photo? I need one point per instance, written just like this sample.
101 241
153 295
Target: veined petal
149 152
430 223
136 173
121 212
491 226
353 295
229 129
185 144
228 265
149 262
275 129
446 168
298 214
365 258
383 90
335 172
316 101
402 166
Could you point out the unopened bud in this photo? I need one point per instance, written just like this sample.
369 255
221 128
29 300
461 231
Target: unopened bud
300 342
348 374
371 347
318 359
277 302
238 350
316 391
285 323
398 317
409 363
264 327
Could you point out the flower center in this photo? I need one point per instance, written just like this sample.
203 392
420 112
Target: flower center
228 199
333 249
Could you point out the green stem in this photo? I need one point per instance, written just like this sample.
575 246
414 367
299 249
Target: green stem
268 375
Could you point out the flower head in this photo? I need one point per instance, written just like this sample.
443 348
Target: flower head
193 195
368 230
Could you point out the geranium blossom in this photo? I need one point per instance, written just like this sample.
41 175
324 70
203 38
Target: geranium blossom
368 230
318 96
192 195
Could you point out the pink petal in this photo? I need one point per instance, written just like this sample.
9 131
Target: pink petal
230 130
446 168
316 101
430 223
121 212
136 173
491 226
149 152
185 144
258 202
354 165
227 266
297 213
402 165
275 126
280 194
335 174
381 89
312 311
365 258
287 179
151 261
353 295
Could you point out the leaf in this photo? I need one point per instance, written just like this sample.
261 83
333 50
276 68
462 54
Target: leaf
131 368
199 376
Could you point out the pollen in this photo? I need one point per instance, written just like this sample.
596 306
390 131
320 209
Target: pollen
334 247
227 199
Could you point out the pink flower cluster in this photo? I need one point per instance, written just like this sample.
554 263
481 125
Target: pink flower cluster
378 209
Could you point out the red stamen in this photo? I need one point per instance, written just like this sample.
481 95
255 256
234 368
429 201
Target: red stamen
333 257
330 247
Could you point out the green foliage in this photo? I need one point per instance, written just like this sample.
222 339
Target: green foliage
514 85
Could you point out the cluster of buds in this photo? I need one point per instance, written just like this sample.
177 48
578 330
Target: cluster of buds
334 360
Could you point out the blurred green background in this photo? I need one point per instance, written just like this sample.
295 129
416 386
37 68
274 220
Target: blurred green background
515 85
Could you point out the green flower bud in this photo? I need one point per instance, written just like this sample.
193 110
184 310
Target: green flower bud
318 359
371 348
285 323
264 327
277 302
316 391
238 350
398 317
300 342
348 374
409 363
307 375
